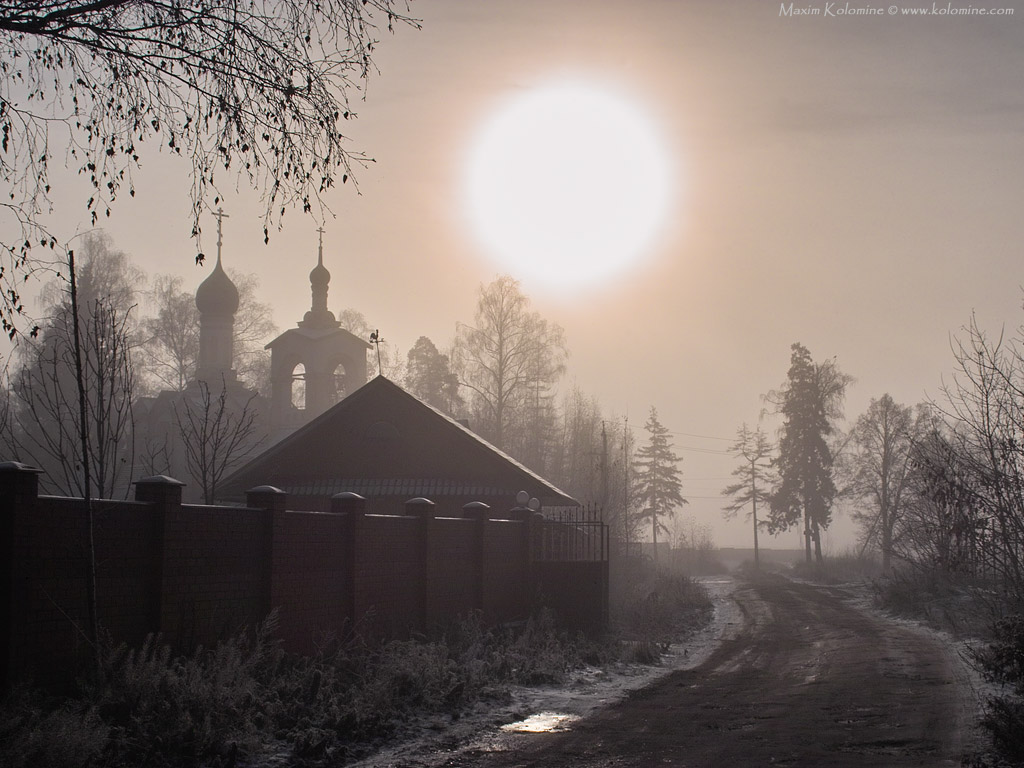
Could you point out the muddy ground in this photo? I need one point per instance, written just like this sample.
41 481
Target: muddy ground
806 677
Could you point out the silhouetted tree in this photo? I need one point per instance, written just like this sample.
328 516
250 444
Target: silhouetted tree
942 525
984 401
217 434
252 89
755 478
46 386
172 334
509 359
391 367
809 402
659 477
429 376
878 468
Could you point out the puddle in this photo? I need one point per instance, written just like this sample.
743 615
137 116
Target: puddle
542 722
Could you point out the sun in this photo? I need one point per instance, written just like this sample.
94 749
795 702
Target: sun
568 184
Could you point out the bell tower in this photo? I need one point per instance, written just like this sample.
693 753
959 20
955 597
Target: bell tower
315 364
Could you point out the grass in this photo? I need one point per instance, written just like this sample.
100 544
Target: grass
839 568
247 700
969 608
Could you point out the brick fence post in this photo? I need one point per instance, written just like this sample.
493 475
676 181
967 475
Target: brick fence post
163 493
273 501
19 489
353 507
526 512
481 513
424 510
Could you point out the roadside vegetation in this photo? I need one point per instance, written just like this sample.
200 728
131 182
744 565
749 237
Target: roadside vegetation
247 700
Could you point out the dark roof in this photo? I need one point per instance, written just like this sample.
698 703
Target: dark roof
383 441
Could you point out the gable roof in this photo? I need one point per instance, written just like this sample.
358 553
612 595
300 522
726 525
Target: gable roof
383 440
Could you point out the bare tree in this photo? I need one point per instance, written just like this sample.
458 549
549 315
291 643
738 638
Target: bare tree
878 468
391 364
942 526
218 433
47 396
257 88
46 387
172 334
985 402
509 359
755 478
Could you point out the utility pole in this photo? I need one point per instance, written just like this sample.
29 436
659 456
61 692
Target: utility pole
625 485
604 466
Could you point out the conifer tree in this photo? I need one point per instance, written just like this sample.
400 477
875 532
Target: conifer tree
659 477
809 401
753 486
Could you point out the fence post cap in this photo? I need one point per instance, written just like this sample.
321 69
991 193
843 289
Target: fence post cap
348 502
17 466
348 496
159 480
476 510
267 489
420 506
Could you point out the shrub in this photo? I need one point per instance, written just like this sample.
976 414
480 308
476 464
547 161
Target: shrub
38 733
246 698
1002 662
658 608
839 568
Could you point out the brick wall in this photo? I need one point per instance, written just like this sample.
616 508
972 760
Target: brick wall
197 574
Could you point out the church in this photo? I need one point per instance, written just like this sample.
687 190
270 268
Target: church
324 429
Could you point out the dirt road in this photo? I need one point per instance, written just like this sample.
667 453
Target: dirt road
809 680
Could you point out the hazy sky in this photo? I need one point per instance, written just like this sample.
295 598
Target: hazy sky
851 183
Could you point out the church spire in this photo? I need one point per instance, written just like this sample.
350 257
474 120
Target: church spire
319 280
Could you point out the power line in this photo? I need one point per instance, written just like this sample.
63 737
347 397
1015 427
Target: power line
703 437
694 449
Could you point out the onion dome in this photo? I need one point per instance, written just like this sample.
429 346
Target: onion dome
217 295
320 277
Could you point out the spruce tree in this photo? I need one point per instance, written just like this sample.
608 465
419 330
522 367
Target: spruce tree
809 401
754 478
659 477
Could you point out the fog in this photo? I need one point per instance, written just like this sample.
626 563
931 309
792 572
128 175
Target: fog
850 183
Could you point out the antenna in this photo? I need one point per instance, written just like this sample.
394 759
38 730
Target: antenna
376 339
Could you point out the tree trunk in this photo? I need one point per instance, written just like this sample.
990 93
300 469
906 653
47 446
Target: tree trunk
654 533
753 500
807 535
757 555
83 434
